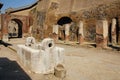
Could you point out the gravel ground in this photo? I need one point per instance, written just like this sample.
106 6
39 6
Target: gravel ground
81 63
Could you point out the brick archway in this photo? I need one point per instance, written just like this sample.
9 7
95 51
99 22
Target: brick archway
22 21
15 28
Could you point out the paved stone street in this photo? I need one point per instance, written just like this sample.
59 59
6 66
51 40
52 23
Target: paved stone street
81 63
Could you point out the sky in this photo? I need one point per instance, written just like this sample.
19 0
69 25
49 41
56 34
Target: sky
15 3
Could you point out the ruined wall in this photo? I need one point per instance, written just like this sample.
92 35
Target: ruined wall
39 19
83 4
91 15
43 5
22 20
23 12
65 6
0 28
48 12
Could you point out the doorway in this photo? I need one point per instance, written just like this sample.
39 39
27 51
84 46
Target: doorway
15 28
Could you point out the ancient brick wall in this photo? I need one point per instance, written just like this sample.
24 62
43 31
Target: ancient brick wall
23 19
38 20
88 11
83 4
91 15
108 9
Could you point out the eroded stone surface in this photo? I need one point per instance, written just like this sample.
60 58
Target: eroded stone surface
30 41
102 33
43 58
67 29
113 32
80 31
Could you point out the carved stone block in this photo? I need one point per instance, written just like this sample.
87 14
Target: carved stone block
42 59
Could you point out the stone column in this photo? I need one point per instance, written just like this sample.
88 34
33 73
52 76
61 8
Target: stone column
62 32
30 30
80 31
113 32
55 32
67 29
102 33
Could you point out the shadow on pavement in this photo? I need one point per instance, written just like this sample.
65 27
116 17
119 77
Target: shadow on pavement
115 47
4 43
10 70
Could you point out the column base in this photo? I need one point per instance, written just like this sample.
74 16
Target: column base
114 40
55 37
81 39
66 38
101 42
